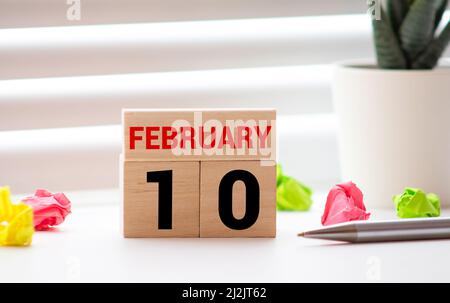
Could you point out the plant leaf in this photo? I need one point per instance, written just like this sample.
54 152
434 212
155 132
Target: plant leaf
417 30
387 46
430 57
397 10
440 13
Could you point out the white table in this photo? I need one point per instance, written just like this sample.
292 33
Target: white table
88 247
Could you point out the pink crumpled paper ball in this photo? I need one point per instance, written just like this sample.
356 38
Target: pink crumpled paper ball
48 209
344 204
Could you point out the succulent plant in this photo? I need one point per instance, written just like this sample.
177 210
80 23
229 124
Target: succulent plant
406 35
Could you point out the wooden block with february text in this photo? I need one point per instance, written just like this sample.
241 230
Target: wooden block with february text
199 135
160 199
237 199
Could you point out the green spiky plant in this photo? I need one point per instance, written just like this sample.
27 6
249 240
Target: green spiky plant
406 37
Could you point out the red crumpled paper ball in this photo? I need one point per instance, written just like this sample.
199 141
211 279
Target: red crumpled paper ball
48 209
344 204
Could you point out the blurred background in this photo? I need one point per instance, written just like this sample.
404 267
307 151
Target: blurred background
68 67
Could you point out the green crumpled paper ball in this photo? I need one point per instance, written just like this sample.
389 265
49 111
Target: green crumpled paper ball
291 194
415 203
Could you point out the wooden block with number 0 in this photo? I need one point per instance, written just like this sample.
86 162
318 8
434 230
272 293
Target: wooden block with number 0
237 199
161 199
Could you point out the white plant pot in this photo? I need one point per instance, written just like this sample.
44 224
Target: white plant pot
393 130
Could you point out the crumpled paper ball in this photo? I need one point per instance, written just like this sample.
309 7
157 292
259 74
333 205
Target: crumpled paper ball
16 221
49 209
415 203
344 204
291 194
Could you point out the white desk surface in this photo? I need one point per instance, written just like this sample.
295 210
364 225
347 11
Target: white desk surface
88 247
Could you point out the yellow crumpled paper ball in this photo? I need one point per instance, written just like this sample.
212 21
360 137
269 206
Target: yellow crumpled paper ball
16 221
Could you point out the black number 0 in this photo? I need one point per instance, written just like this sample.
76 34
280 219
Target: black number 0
252 198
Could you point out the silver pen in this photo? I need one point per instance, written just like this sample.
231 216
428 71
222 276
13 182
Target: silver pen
380 231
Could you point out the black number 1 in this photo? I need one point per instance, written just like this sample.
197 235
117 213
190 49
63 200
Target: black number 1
164 180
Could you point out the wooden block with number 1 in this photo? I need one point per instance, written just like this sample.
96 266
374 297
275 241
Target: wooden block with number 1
161 199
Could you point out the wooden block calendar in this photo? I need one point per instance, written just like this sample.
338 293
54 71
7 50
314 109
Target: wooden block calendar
199 173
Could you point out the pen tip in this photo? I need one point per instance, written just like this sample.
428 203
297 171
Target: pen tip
301 234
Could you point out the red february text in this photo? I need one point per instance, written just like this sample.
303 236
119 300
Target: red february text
169 137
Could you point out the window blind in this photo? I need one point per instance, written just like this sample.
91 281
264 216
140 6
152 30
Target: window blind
37 13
